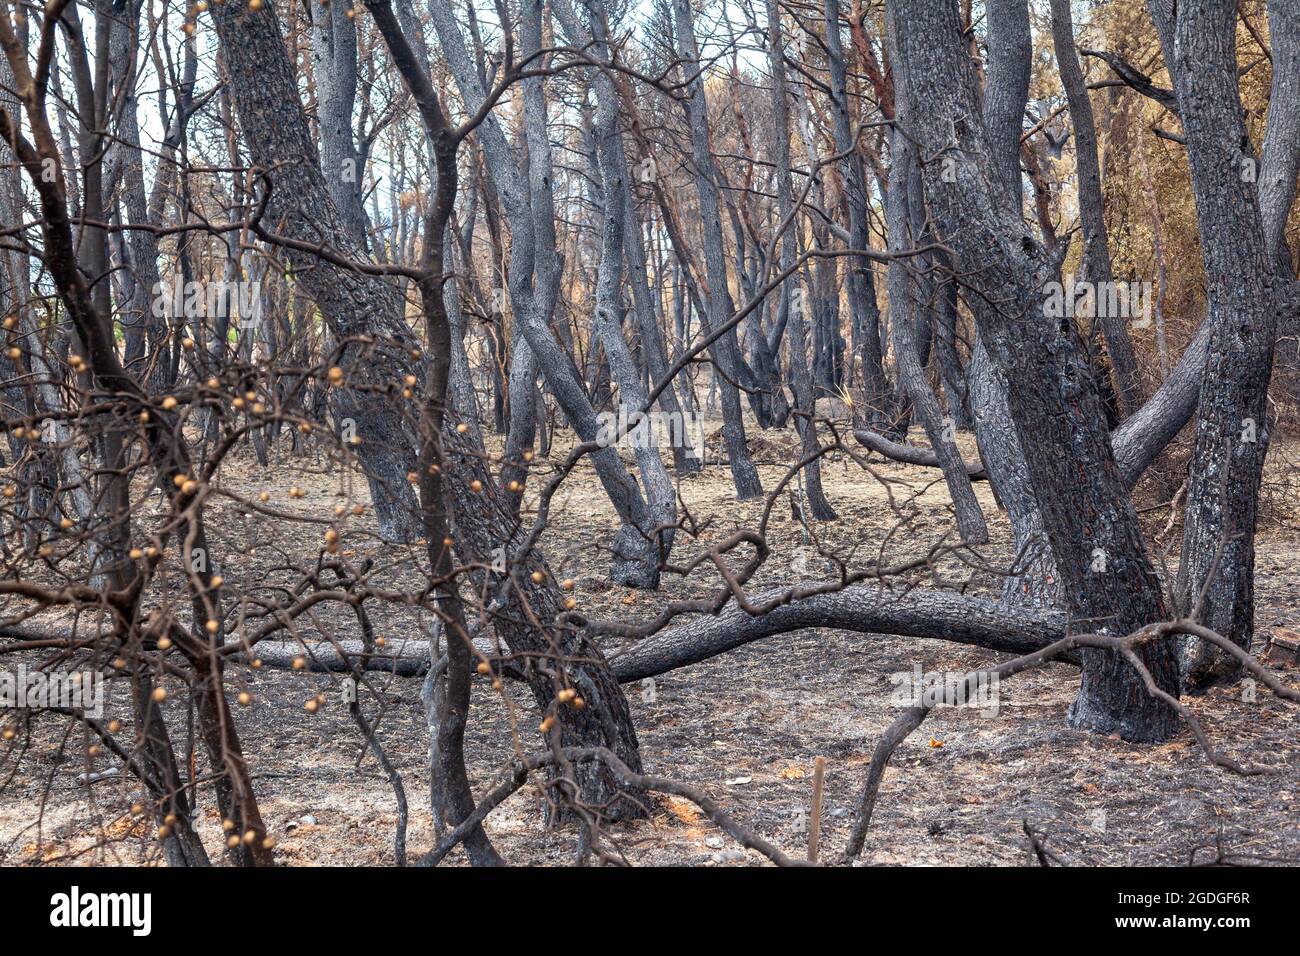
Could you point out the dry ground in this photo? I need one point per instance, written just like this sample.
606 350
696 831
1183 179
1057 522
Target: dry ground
745 726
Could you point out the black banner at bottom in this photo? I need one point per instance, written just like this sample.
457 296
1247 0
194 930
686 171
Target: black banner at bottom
350 907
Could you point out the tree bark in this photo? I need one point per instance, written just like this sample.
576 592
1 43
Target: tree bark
357 307
1095 537
725 351
1216 573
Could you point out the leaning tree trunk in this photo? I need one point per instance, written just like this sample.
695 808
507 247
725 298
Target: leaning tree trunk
800 378
903 322
725 351
526 609
364 315
869 346
660 494
1216 574
636 553
1109 582
1092 219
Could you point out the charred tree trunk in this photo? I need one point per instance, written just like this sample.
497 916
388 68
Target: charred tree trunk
1216 573
903 322
365 315
805 404
1108 580
1092 218
725 351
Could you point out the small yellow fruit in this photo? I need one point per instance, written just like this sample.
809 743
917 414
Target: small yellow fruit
268 843
169 403
299 663
484 667
179 479
189 487
570 604
546 724
476 486
566 695
119 663
188 343
335 375
567 584
264 497
164 643
114 726
255 663
245 698
232 841
227 825
462 428
538 577
312 705
159 694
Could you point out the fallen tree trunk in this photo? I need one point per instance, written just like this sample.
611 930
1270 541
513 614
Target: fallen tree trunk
940 615
935 614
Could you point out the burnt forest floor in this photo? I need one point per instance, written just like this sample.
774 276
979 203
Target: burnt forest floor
745 726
